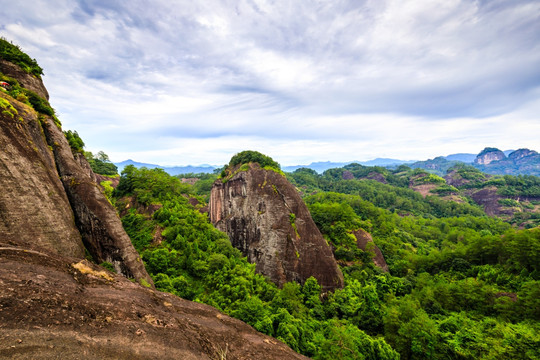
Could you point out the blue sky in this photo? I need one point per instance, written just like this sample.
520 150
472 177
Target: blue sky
189 82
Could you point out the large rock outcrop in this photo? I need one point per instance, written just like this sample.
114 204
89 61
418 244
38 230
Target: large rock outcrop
521 155
489 155
27 81
54 304
49 201
267 220
34 208
97 220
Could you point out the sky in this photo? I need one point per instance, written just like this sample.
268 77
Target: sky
176 82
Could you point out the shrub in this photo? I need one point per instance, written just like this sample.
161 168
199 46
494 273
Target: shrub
75 142
14 54
249 156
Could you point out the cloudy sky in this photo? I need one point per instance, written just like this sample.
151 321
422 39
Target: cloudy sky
180 82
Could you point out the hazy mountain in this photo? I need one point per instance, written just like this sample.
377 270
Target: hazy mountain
322 166
438 165
463 157
172 170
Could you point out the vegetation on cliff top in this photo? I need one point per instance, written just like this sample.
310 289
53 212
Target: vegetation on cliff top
240 162
14 54
249 156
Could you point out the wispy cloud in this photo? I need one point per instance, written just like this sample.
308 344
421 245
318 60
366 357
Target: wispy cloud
187 82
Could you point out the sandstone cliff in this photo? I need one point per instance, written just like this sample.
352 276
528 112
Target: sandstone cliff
26 80
521 154
34 208
489 155
365 242
49 201
267 220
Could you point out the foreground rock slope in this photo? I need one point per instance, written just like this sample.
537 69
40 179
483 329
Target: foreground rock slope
54 307
267 220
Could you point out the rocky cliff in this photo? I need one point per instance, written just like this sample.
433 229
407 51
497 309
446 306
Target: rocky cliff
521 155
50 202
364 241
26 80
488 155
519 162
267 220
34 208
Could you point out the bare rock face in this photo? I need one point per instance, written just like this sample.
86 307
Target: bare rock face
489 199
53 307
488 155
364 241
377 177
96 219
519 155
26 80
53 199
267 220
34 209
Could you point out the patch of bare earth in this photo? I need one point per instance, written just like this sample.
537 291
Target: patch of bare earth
53 307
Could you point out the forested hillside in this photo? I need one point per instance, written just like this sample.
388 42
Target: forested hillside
461 284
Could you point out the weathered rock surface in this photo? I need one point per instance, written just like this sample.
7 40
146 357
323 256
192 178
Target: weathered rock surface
365 242
97 220
26 80
52 199
267 220
34 209
520 154
488 198
488 155
54 307
53 304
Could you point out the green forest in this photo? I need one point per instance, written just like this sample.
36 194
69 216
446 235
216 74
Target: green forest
461 285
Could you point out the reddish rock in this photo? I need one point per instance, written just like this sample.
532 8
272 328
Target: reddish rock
39 213
453 178
27 81
488 198
190 181
377 177
365 242
34 208
347 175
54 307
97 220
267 220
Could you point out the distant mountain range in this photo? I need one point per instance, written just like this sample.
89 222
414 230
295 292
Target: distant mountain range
320 166
172 170
490 160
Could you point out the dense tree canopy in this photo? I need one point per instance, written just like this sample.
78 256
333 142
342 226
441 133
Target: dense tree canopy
461 284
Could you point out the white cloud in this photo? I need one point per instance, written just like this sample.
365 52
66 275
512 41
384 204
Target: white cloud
304 81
